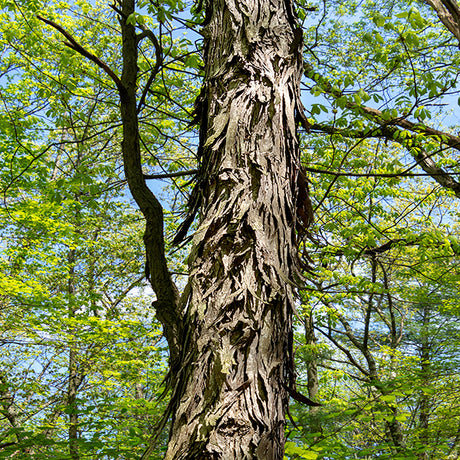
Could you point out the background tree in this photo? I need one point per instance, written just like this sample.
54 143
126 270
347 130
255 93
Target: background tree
82 357
385 235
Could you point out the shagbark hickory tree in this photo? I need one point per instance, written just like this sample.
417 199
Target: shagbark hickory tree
230 331
235 368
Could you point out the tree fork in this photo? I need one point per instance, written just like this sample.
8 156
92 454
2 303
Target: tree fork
231 394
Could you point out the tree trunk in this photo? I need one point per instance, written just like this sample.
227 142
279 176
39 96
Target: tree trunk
156 265
72 389
231 393
425 371
312 373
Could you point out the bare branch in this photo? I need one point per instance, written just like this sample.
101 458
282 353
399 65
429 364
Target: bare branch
170 175
158 63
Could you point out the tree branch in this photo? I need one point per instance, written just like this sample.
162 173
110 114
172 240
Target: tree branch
388 129
377 115
398 242
158 62
73 44
393 134
169 175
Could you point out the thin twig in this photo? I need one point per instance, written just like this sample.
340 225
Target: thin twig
169 175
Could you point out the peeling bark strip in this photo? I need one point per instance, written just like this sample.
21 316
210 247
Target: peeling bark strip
230 399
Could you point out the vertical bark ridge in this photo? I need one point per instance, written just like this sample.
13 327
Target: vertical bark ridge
231 397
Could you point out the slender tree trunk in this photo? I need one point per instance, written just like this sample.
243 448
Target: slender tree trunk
9 412
72 388
156 266
312 373
73 407
312 368
424 410
231 394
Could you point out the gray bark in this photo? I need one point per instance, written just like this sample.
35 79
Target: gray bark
231 394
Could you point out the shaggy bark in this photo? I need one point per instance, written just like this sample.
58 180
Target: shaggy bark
231 395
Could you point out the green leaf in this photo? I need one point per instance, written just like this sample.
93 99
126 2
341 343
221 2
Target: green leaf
131 19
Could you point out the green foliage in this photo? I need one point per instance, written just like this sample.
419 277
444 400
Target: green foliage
384 244
74 305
